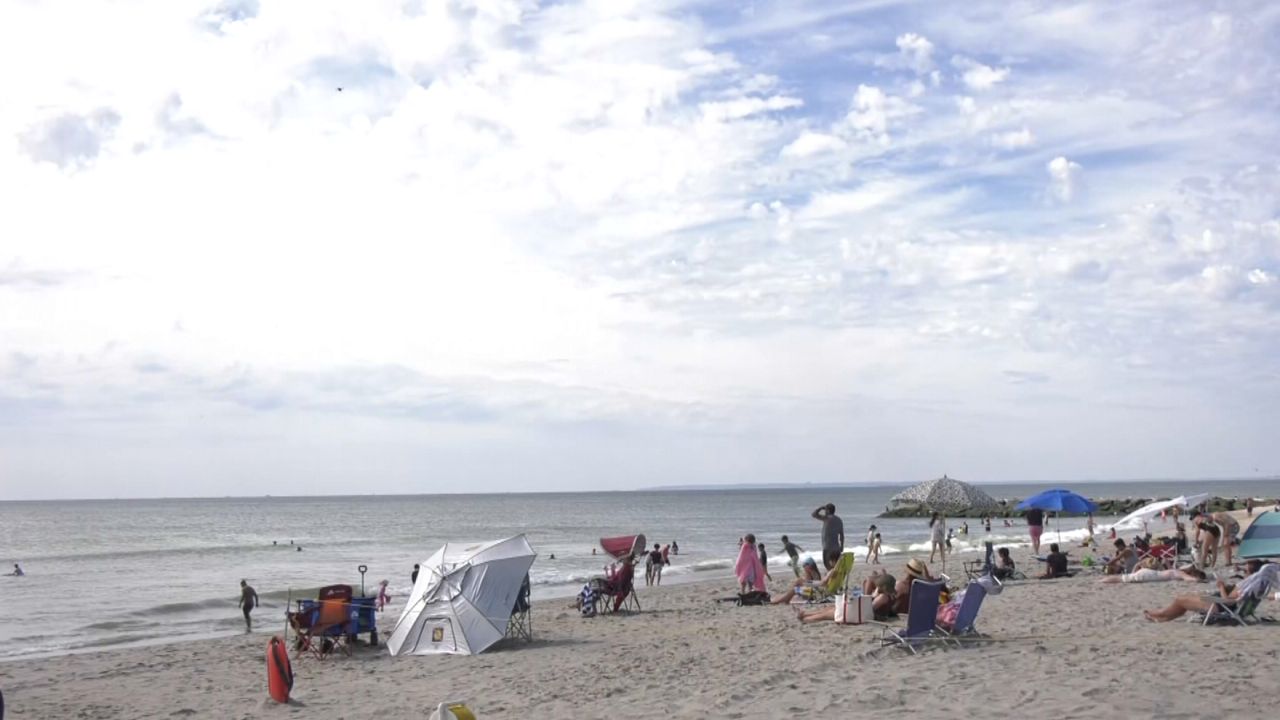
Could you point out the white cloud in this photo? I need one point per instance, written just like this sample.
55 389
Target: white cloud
746 107
1013 139
917 51
872 113
977 76
812 143
1064 179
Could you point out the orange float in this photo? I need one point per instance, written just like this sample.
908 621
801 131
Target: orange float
279 671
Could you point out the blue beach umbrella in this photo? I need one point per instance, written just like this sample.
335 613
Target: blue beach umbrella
1059 500
1262 539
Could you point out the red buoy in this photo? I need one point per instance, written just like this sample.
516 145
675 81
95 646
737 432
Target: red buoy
279 671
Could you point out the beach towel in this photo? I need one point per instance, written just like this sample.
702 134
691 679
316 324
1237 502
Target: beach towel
748 568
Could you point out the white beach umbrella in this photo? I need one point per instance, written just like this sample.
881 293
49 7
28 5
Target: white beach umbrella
1136 518
463 598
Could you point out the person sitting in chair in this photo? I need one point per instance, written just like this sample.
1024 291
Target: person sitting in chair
879 585
1260 579
1123 561
1005 568
1055 564
916 570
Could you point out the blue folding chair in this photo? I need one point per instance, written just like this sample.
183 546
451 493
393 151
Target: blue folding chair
921 618
963 627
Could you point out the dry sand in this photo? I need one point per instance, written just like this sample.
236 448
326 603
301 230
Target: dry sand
1067 648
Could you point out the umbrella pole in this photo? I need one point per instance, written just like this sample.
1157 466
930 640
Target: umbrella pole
1057 522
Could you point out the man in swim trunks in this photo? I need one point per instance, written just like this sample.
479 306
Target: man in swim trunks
248 601
1035 526
1230 533
832 534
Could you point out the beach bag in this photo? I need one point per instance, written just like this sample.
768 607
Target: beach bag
853 609
452 711
947 614
755 597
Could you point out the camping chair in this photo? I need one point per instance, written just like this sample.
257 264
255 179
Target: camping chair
1165 555
618 593
324 625
970 604
974 569
921 618
520 626
1241 611
826 592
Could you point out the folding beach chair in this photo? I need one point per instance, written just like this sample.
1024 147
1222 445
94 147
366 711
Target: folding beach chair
835 584
1242 611
1164 555
618 593
921 618
963 627
325 625
520 626
975 569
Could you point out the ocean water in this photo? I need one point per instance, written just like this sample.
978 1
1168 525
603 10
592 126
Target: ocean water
103 574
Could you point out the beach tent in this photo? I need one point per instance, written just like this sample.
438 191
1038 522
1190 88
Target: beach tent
1135 519
463 598
1262 539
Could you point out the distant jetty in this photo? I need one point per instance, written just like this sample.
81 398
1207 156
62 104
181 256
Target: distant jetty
1106 506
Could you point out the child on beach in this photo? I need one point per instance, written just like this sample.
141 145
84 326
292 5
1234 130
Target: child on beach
764 562
793 551
874 553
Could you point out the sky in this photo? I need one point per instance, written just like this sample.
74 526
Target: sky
281 247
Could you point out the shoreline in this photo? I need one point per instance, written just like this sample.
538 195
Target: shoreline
686 655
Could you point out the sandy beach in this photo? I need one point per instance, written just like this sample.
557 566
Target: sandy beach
1073 648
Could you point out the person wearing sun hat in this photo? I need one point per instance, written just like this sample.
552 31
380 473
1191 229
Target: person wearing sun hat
916 570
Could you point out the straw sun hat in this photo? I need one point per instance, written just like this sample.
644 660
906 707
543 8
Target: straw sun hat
917 568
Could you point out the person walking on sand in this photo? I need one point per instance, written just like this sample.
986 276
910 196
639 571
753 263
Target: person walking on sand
938 534
832 534
1035 526
871 535
248 601
874 553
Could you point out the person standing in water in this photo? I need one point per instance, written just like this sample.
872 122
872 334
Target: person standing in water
17 571
248 601
413 576
873 554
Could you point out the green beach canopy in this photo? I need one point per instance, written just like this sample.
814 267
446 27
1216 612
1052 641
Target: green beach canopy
1262 539
946 495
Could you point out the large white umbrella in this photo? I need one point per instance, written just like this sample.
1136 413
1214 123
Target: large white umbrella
946 495
1136 518
463 598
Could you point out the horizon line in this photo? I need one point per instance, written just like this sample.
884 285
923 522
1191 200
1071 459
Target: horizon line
652 488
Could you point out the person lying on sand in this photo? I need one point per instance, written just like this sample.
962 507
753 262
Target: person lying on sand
1186 574
879 586
1260 579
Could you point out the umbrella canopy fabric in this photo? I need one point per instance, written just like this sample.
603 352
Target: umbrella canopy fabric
624 545
1262 539
1059 500
463 598
1150 510
946 495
